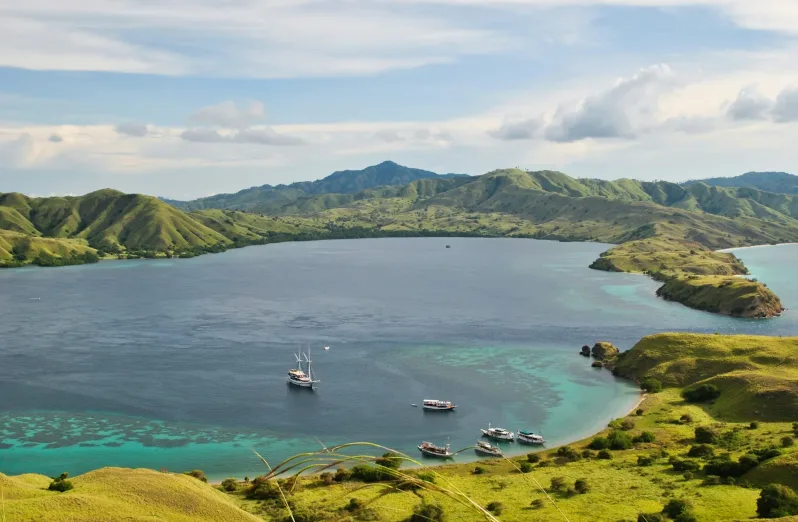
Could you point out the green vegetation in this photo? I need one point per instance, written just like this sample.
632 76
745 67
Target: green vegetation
779 182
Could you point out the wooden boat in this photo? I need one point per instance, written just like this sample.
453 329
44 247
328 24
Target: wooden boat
436 405
527 437
298 376
431 450
498 434
486 448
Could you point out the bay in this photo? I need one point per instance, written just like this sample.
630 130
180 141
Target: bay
181 364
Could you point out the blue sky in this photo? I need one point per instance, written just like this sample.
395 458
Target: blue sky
186 98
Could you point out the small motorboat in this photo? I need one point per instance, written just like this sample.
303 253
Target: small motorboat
486 448
527 437
448 246
436 405
431 450
498 434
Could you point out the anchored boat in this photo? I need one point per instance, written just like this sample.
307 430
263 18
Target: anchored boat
298 376
436 405
486 448
527 437
431 450
498 434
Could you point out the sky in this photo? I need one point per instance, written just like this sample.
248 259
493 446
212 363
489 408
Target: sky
188 98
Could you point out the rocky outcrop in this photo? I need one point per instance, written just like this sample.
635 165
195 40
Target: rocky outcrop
604 350
597 364
585 351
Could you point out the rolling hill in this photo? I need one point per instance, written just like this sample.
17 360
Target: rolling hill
779 182
268 198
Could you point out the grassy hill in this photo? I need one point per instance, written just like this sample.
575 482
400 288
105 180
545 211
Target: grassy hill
112 494
269 199
758 376
779 182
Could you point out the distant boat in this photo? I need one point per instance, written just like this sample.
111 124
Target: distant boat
298 377
486 448
448 246
326 348
498 434
430 449
527 437
435 405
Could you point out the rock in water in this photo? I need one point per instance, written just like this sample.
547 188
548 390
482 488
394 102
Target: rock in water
597 364
585 351
603 350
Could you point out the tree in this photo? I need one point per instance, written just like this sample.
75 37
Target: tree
676 507
390 460
777 501
705 435
558 484
620 440
645 436
599 443
495 507
705 392
197 474
60 483
651 385
581 487
229 484
428 513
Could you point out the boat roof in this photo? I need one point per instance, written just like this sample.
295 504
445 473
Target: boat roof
524 432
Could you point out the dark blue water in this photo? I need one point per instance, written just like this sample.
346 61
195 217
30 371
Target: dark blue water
181 364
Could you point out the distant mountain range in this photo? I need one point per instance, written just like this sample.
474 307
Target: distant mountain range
269 199
779 182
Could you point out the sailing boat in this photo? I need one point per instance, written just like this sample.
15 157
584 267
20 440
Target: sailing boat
297 376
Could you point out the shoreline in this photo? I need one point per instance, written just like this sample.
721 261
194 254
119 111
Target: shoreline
729 250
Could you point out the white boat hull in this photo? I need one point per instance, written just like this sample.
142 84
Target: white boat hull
436 455
536 442
437 408
510 437
301 384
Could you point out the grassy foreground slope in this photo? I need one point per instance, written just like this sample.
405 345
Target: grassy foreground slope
113 494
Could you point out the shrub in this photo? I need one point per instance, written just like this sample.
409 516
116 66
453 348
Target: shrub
581 487
354 505
705 435
646 436
701 451
786 442
229 484
537 503
650 517
620 440
558 484
684 465
479 470
723 466
495 507
587 454
390 460
733 439
567 452
651 386
60 483
604 455
627 424
368 473
729 481
685 517
342 475
262 489
599 443
639 412
754 425
676 507
642 460
533 458
525 467
768 453
686 418
327 478
687 475
428 513
197 474
704 393
777 501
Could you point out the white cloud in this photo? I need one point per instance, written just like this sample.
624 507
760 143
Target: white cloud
55 138
624 111
19 152
519 129
750 104
229 115
786 107
259 136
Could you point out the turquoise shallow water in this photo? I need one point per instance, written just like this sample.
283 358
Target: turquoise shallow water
181 364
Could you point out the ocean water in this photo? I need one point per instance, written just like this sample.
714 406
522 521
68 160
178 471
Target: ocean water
181 364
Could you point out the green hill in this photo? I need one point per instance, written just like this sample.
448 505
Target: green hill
779 182
117 494
757 375
270 199
104 220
